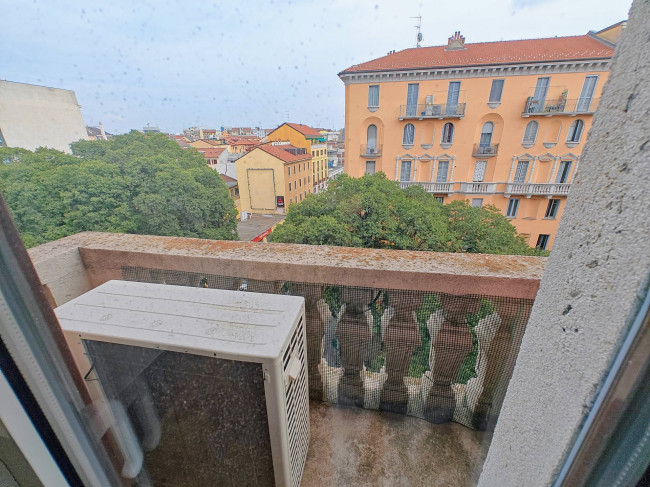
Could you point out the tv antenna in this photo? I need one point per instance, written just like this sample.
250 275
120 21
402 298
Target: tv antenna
418 37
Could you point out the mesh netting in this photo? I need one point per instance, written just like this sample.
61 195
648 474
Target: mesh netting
436 356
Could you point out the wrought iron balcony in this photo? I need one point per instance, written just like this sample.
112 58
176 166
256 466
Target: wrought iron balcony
560 106
537 189
431 110
371 150
485 150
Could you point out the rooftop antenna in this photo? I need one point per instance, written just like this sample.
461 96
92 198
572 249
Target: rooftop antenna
418 37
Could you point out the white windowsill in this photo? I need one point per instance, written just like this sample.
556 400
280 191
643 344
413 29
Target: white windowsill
494 104
446 145
572 144
373 109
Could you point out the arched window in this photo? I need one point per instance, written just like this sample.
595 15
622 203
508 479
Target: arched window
371 138
575 131
447 133
530 134
486 134
409 134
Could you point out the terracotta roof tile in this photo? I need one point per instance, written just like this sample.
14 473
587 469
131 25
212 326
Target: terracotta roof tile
304 129
211 153
485 53
281 153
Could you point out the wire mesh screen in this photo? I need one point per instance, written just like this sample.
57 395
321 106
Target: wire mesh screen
436 356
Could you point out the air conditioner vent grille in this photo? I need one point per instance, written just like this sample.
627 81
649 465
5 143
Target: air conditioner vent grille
297 407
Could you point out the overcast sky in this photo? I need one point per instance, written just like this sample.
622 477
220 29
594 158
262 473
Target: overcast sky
254 63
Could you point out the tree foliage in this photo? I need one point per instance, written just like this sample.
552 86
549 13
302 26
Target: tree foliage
131 184
374 212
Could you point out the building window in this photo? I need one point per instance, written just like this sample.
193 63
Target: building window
412 99
371 139
563 172
551 209
237 191
373 96
405 173
513 206
439 199
300 182
496 90
443 169
370 167
289 186
486 134
307 164
542 241
520 173
447 133
409 134
530 134
453 93
291 200
477 202
479 171
587 94
575 131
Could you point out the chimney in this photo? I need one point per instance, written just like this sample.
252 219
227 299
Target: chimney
101 131
455 42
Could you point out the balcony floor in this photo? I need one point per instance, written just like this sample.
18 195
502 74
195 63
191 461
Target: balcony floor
353 446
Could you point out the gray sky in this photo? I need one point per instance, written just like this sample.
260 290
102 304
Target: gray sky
252 63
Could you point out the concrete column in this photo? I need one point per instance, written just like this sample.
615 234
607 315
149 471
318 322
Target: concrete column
532 170
555 161
512 168
433 167
593 283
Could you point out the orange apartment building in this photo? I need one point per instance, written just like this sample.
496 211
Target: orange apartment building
314 142
500 123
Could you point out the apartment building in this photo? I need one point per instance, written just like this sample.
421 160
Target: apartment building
313 142
499 123
273 176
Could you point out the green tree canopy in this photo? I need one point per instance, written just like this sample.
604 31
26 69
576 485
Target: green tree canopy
131 183
374 212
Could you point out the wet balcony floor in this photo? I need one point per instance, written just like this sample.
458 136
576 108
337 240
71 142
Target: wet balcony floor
358 447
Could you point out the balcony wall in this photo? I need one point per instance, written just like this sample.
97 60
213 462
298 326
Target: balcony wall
430 335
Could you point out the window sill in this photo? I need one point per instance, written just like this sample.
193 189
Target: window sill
550 145
446 145
510 217
407 147
527 145
427 146
373 109
572 144
549 218
494 104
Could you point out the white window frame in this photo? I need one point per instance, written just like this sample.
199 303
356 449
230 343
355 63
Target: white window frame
409 130
552 209
529 141
374 167
447 137
513 208
373 96
500 83
575 131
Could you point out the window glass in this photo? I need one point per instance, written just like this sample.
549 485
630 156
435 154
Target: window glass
513 206
575 131
486 134
373 96
405 173
370 167
477 202
542 241
530 134
563 172
409 134
412 99
443 169
496 90
447 133
552 208
520 173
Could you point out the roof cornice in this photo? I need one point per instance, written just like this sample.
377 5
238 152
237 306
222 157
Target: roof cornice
477 71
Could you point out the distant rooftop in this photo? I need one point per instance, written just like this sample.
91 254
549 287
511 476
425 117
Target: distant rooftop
230 182
286 153
305 130
210 152
486 53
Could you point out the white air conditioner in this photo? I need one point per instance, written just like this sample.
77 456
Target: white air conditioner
197 386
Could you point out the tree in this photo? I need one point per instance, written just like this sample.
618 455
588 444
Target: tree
131 183
374 212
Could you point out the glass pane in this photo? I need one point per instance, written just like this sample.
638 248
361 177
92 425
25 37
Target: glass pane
443 168
405 174
412 99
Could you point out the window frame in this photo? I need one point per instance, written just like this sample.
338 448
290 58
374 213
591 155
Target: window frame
405 141
528 142
447 136
552 209
576 128
374 168
494 99
542 241
477 203
401 169
513 208
373 93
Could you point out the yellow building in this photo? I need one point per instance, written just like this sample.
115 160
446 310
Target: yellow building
500 123
314 142
273 176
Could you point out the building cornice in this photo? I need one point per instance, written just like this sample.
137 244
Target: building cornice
487 71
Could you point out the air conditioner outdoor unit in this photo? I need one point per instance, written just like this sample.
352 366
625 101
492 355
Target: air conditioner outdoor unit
198 386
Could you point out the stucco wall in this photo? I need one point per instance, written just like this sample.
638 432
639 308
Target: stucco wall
599 263
37 116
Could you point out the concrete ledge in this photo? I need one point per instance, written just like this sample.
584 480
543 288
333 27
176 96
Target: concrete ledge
104 254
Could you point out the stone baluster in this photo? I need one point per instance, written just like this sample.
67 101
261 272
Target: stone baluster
315 330
353 335
451 345
401 340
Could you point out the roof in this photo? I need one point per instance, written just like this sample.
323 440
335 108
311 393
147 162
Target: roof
305 130
230 182
210 152
281 153
242 140
487 53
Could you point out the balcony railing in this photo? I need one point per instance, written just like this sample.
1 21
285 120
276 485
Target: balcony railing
435 188
536 189
388 365
370 150
478 187
560 106
485 150
438 111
